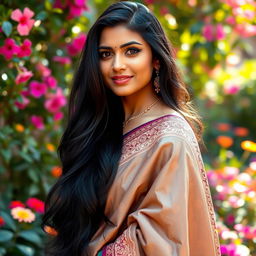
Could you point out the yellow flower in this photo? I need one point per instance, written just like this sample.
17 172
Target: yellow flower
19 128
50 147
248 146
22 214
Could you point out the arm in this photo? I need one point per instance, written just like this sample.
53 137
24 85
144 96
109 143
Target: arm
173 218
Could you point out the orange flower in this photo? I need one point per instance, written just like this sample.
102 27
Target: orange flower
51 231
56 171
248 146
241 131
19 128
224 141
50 147
223 127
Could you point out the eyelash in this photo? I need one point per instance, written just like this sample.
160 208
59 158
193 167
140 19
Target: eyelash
135 50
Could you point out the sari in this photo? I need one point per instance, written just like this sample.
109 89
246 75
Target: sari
160 201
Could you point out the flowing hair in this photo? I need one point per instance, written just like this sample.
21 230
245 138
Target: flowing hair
90 148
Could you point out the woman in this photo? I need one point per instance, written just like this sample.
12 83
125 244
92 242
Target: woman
133 180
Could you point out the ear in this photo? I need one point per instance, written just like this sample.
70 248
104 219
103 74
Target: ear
156 64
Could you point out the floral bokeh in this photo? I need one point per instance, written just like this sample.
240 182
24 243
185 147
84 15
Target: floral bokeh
40 45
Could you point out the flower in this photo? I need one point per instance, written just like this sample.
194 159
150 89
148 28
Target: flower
37 121
55 101
16 203
51 231
35 204
50 147
22 214
241 131
25 49
223 127
24 19
56 171
9 48
224 141
50 81
212 32
62 60
58 116
2 222
77 45
231 89
24 76
19 128
245 30
248 146
37 89
43 70
23 104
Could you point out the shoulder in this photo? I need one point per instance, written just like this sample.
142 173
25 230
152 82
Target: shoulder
165 133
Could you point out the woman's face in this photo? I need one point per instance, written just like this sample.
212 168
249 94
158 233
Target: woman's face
126 60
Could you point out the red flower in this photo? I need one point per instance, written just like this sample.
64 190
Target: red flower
25 49
14 204
9 48
2 222
35 204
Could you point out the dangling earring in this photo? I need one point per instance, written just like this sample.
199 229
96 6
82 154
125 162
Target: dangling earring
156 82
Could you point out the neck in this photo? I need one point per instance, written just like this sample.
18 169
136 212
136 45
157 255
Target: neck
136 103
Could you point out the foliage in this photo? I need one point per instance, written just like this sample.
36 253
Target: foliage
213 43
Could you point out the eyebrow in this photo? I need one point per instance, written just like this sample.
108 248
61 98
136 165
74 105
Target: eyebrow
121 46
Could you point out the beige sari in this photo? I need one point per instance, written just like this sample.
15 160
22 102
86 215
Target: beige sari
160 201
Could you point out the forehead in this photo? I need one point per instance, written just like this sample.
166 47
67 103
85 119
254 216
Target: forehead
118 35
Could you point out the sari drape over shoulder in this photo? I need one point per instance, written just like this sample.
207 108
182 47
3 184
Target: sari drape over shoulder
160 202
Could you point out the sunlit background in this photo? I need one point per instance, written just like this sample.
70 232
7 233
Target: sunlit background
40 43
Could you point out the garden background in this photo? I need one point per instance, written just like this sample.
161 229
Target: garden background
40 44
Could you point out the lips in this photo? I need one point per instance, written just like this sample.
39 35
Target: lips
121 79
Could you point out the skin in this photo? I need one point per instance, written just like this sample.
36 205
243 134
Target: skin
136 60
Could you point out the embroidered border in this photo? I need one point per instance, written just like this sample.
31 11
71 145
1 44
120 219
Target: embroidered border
143 137
123 246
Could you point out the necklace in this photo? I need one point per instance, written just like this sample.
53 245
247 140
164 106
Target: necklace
140 114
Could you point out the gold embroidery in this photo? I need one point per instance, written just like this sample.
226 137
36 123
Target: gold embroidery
123 246
145 136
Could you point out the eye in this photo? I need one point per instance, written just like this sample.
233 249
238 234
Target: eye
132 51
104 54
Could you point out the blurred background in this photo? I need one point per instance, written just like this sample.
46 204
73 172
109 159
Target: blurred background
40 44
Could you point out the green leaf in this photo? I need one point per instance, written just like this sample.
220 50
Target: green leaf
26 157
2 251
41 15
6 153
9 222
5 235
33 175
7 28
25 250
31 236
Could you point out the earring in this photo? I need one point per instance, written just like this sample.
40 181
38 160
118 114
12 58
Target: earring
156 82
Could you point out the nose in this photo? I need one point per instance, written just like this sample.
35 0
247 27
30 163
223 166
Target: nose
118 63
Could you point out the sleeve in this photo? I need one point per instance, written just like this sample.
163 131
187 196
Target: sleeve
174 218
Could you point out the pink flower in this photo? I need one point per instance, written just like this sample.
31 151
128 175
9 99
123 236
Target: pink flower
14 204
231 20
58 116
55 101
37 89
212 33
220 34
24 19
246 30
50 81
37 121
25 49
23 104
77 45
43 70
76 8
62 60
24 76
231 89
35 204
9 48
208 32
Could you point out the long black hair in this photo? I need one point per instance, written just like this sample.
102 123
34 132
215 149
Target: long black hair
91 145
